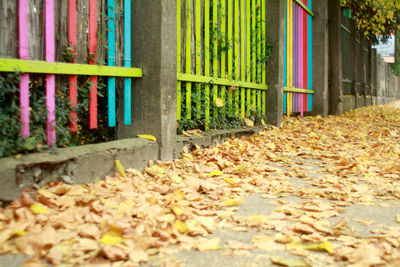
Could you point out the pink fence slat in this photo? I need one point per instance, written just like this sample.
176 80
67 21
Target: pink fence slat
23 35
73 79
92 61
50 79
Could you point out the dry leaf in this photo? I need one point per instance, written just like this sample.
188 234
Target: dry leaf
233 202
208 244
147 136
289 262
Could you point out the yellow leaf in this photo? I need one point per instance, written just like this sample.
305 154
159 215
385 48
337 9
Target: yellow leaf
233 202
39 208
179 195
289 262
120 168
147 136
229 180
181 227
255 220
208 244
219 102
215 173
112 236
176 178
19 232
187 155
263 122
249 123
325 246
241 167
398 218
176 209
17 156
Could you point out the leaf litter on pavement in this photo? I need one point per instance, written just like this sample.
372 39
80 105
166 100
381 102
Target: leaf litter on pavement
177 205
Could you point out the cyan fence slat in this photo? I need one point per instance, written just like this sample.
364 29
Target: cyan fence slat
111 62
127 61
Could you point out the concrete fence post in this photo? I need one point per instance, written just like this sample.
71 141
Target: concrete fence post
275 32
335 58
154 95
321 57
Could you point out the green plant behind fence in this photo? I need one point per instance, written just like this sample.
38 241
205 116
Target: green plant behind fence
221 54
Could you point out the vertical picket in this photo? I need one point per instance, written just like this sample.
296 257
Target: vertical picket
179 60
223 52
207 59
285 61
230 54
50 78
93 61
111 62
305 29
258 64
242 57
198 55
215 51
301 67
73 79
248 55
23 36
235 42
264 64
127 62
310 57
254 50
188 59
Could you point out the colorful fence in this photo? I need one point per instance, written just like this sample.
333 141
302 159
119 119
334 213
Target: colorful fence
298 57
52 68
228 49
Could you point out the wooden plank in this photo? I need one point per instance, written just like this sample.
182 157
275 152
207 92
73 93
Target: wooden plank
248 54
220 81
188 59
50 78
178 59
285 59
215 50
127 62
73 79
258 52
207 59
236 56
307 9
111 62
23 37
36 66
310 57
253 52
264 64
305 29
242 57
198 54
230 54
93 61
223 51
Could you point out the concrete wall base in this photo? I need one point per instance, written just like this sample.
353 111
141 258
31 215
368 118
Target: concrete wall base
83 164
349 102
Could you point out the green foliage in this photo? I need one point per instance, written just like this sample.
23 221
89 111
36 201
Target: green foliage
10 141
377 18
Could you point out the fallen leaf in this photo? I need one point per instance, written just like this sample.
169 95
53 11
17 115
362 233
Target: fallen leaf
39 208
248 122
208 244
147 136
289 262
120 168
181 227
233 202
112 236
215 173
325 246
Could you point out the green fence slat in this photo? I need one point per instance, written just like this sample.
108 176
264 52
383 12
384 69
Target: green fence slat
223 52
207 59
248 54
188 59
259 40
198 56
253 48
215 52
178 59
236 55
230 53
242 56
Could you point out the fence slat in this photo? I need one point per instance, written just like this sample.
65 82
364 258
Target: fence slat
236 56
259 71
253 52
178 59
73 79
263 36
23 35
215 52
223 51
50 78
207 59
188 59
111 62
127 62
198 56
248 55
93 61
230 54
242 57
310 57
301 50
